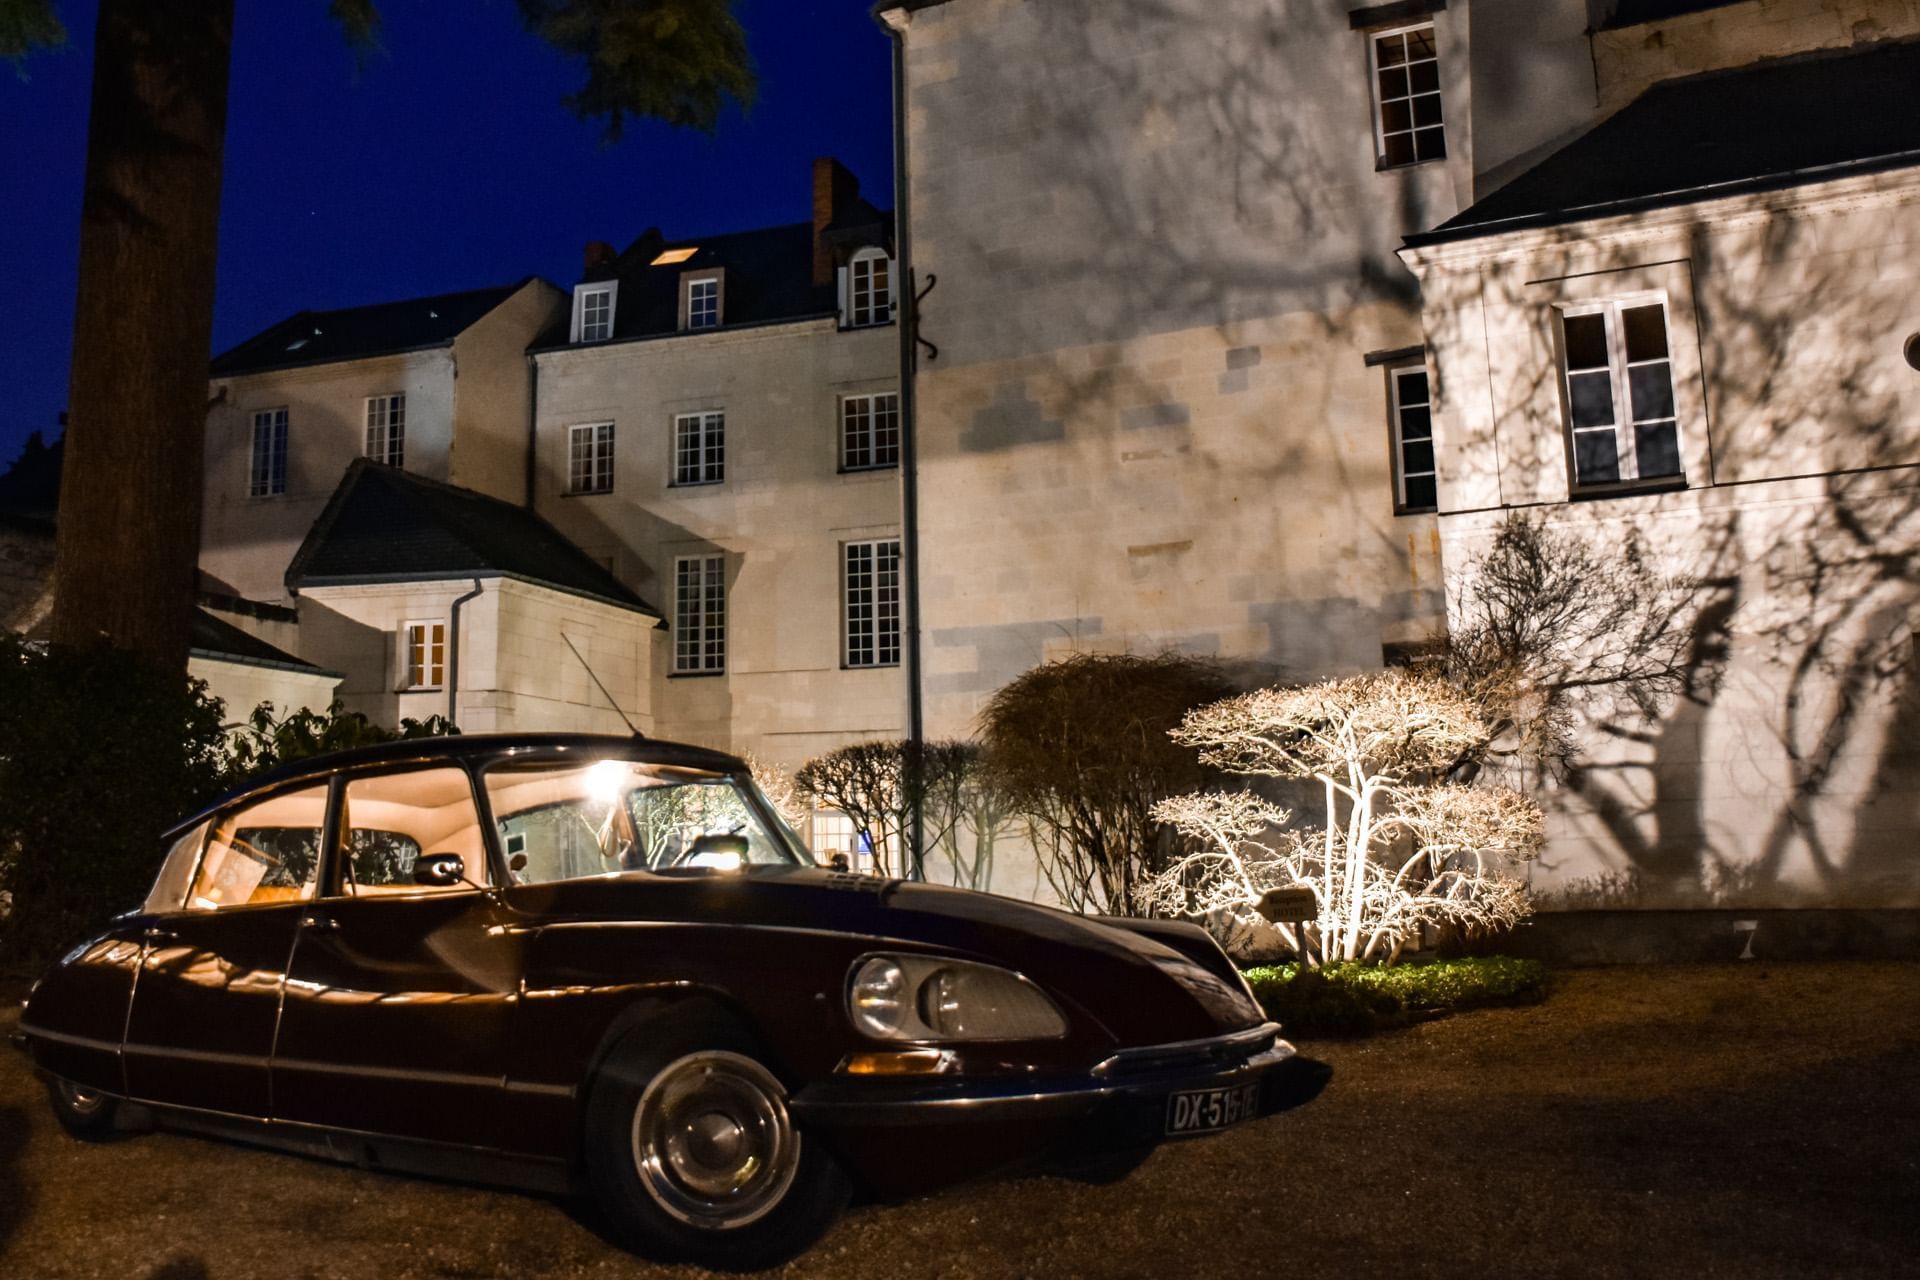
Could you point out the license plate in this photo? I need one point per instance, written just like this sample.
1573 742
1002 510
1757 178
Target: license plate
1206 1110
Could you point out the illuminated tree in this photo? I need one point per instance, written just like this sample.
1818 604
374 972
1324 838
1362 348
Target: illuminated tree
128 539
1398 848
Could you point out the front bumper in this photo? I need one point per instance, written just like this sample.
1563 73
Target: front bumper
892 1130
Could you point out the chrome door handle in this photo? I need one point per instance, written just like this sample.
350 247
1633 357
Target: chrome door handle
319 922
162 935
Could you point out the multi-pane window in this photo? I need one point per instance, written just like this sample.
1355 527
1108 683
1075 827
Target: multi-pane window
1412 439
869 290
700 614
424 654
1406 81
699 448
703 303
387 429
1619 380
870 431
873 603
596 314
268 474
590 458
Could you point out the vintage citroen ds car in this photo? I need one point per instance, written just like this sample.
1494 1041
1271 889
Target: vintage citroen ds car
568 962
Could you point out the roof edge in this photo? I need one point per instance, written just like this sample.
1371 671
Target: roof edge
477 575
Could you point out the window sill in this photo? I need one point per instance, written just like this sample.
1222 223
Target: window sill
696 484
1630 489
870 666
1416 511
694 675
875 324
587 493
864 471
421 688
1380 165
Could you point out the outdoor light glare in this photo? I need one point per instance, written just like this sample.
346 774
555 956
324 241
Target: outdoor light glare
605 780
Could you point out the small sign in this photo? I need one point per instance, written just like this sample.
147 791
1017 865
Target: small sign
1289 906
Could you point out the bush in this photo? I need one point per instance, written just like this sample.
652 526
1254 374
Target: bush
1353 998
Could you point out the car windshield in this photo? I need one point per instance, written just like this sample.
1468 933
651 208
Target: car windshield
604 817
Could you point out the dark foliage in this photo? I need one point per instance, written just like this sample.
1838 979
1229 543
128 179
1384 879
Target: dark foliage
1079 751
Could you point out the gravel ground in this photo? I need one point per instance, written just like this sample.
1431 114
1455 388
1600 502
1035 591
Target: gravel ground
1742 1121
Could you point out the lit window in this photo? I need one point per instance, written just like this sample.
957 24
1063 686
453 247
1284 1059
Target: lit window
387 429
699 448
590 458
1618 375
1406 81
873 603
700 614
268 474
703 303
425 654
593 313
870 431
869 289
1412 439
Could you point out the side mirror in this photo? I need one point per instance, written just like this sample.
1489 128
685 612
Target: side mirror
440 871
724 845
838 862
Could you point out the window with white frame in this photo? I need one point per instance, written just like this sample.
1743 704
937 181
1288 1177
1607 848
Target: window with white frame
267 476
700 448
590 458
387 429
870 431
869 289
593 312
873 603
1617 370
700 614
703 303
1406 96
423 654
1412 410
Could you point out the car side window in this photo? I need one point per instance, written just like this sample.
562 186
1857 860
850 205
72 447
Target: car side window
170 887
264 852
392 820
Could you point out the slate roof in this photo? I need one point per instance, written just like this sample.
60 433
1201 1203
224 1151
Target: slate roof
1775 124
387 525
769 277
216 638
353 333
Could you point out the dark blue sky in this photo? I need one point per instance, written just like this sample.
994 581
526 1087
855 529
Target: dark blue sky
446 162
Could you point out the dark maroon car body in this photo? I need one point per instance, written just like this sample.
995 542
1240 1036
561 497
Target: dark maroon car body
459 1033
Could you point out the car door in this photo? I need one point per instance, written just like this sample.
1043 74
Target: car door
207 995
399 993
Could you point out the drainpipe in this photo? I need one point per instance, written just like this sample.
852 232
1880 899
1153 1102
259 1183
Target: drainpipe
453 652
533 424
895 21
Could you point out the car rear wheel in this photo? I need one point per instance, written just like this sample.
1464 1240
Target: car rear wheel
85 1113
691 1152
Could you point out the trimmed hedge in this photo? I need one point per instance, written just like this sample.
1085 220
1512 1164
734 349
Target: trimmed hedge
1354 998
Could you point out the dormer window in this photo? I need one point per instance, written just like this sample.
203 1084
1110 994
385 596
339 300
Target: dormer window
593 311
703 302
866 290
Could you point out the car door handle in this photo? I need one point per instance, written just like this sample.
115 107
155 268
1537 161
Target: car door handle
162 935
319 922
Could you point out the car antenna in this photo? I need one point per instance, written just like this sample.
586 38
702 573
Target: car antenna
603 689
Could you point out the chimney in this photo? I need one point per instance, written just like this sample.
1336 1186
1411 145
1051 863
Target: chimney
599 256
834 190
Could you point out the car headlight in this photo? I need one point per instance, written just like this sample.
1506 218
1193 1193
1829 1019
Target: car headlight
930 998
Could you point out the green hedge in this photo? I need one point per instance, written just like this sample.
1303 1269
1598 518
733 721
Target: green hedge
1353 998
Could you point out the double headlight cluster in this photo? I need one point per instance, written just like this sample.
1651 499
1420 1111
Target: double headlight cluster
907 997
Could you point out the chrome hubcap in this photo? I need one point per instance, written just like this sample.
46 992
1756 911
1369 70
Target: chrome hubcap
712 1141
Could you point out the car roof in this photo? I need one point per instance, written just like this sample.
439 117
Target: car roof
477 748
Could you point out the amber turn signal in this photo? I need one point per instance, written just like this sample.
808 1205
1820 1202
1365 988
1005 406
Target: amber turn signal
911 1062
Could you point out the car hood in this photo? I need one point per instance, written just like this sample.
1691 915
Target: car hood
1140 988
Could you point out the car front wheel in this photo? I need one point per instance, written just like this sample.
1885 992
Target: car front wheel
85 1113
691 1152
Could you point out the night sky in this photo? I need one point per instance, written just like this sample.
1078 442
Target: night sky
446 162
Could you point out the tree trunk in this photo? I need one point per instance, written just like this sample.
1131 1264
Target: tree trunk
129 530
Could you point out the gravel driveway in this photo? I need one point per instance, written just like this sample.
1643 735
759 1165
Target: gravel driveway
1740 1121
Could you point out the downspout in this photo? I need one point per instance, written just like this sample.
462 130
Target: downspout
533 424
453 652
895 21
